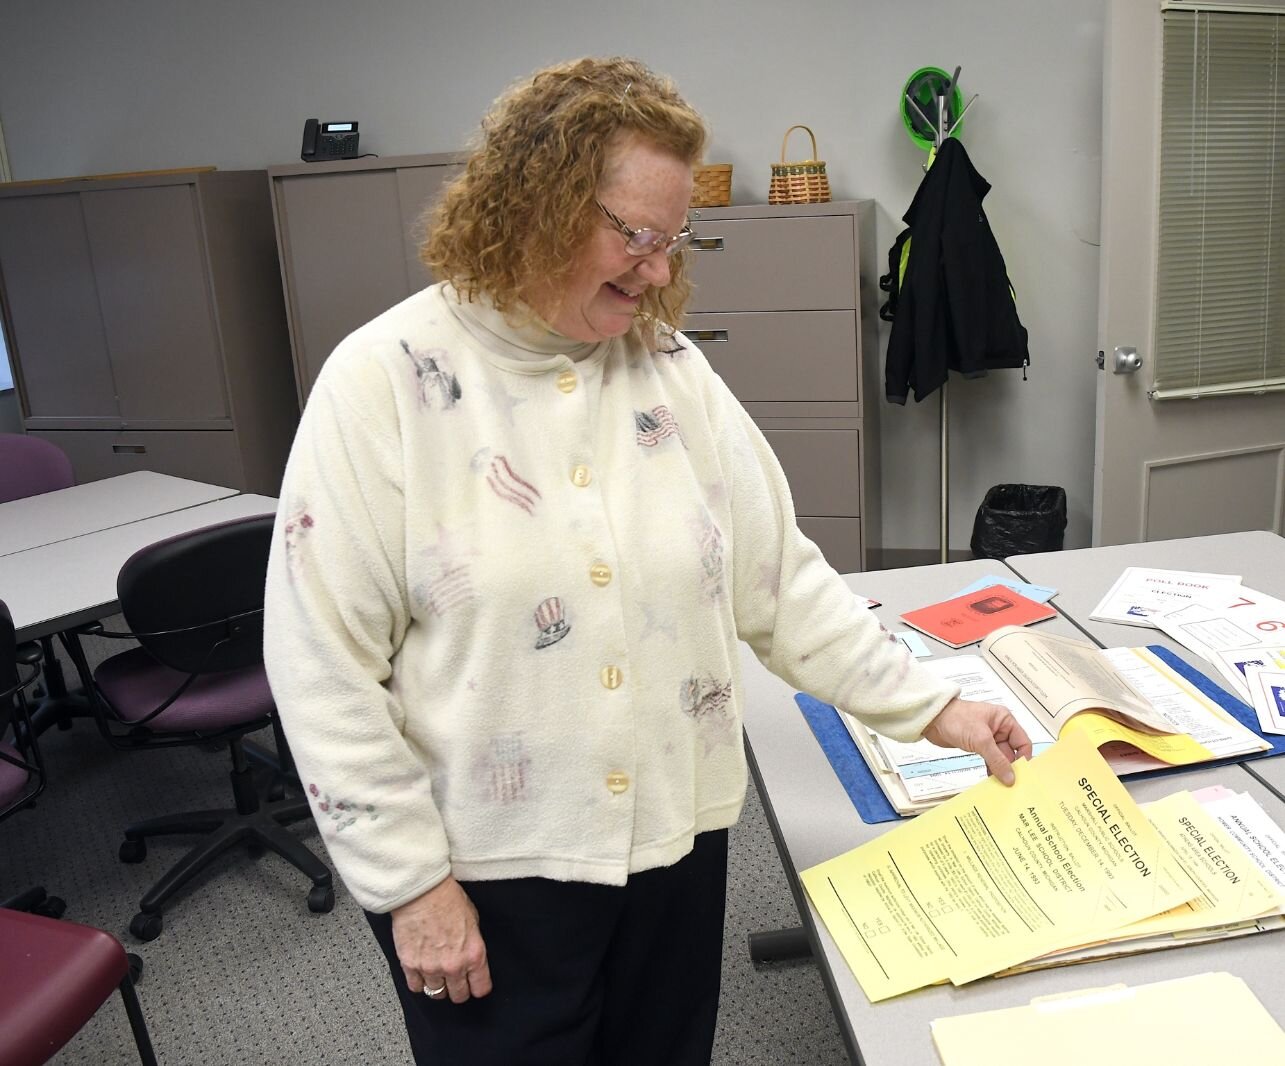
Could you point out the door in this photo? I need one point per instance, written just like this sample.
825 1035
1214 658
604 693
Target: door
1162 468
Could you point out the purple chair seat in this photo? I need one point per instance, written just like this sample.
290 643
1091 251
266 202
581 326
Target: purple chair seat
31 466
136 684
13 779
54 975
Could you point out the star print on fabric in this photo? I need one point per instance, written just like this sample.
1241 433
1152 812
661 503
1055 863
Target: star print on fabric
769 578
656 621
502 400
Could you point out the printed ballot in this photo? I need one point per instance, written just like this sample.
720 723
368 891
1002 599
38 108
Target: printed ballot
998 875
1189 1021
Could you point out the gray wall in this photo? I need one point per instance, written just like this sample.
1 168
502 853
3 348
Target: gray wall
88 87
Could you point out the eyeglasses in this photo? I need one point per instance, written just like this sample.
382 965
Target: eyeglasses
646 241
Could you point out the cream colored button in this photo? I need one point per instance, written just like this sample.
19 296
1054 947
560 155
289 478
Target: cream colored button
611 677
600 574
617 782
567 381
580 476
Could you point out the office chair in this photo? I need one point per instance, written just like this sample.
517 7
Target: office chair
194 603
22 770
53 978
30 466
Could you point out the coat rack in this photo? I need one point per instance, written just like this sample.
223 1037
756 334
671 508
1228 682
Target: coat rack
942 129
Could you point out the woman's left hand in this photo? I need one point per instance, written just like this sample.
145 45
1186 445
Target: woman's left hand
985 728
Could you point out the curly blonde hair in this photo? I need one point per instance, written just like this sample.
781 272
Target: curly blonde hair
512 223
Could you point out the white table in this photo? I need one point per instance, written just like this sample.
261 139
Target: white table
69 582
814 820
96 505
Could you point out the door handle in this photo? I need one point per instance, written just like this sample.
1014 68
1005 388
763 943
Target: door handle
706 244
705 336
1127 361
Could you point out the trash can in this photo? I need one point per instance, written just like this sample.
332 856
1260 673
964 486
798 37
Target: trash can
1019 520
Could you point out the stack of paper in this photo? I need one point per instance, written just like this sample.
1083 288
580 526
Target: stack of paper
1064 861
1133 705
1242 633
1190 1021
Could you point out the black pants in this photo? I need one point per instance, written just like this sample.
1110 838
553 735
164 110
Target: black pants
585 975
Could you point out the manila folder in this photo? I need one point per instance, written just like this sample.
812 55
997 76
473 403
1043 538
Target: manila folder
1189 1021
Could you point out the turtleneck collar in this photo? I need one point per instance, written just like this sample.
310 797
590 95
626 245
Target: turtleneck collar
530 340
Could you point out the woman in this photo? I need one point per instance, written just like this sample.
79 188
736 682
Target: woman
522 529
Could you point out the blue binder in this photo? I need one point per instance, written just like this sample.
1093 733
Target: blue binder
873 805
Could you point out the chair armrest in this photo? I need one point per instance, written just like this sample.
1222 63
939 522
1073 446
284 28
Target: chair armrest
29 654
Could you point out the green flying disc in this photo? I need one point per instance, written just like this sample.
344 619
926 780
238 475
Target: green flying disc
924 86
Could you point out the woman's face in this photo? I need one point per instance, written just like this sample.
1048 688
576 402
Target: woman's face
647 188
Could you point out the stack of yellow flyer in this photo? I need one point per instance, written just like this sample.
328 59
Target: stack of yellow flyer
1190 1021
997 877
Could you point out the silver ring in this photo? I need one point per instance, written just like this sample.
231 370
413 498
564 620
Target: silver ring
435 991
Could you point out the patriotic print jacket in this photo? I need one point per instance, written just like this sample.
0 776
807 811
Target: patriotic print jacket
505 596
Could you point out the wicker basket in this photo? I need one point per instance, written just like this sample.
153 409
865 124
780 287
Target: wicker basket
802 182
712 185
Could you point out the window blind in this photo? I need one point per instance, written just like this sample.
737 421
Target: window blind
1220 306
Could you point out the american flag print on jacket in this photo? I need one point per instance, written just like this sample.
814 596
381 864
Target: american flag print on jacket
510 487
655 425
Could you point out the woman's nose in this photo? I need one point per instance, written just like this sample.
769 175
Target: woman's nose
654 268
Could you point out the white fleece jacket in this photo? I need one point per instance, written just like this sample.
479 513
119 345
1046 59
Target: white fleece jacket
507 583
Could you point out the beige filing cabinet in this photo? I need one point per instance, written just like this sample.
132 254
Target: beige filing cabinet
146 327
777 309
348 233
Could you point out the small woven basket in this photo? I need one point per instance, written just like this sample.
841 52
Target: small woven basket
712 185
801 182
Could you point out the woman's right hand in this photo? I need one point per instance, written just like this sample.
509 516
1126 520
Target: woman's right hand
439 943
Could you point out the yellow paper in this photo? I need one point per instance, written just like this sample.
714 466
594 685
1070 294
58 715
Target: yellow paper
1176 749
1232 889
996 876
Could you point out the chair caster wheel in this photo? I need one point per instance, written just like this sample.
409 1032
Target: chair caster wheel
135 967
321 900
51 907
133 851
146 926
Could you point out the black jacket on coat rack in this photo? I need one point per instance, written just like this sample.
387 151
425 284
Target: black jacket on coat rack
955 308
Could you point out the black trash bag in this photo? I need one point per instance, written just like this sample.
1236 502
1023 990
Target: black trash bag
1019 520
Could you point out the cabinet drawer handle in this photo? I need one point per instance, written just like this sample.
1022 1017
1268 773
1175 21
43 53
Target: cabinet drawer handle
706 244
705 336
130 449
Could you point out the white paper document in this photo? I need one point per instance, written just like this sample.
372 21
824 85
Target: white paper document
1140 593
1239 619
1185 707
930 771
